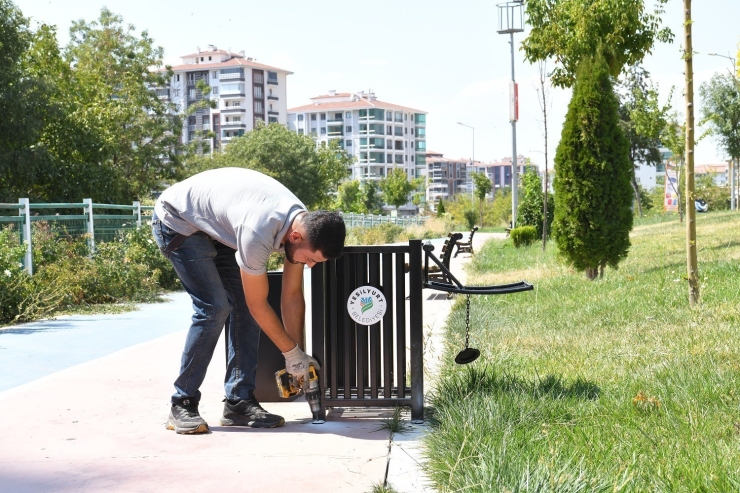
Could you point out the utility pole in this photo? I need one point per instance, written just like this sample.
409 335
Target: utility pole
511 20
691 257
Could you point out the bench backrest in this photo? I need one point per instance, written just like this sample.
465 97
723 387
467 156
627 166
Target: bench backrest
448 247
472 232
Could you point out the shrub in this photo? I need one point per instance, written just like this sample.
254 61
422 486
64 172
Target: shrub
524 236
593 191
470 217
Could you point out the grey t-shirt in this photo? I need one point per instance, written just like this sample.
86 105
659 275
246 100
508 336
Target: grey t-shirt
241 208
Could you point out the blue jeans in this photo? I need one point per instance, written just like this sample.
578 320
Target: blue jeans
210 275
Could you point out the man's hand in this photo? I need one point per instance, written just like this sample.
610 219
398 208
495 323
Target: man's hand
296 363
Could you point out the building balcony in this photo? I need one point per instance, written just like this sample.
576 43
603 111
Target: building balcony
273 98
233 110
196 128
272 82
273 113
335 122
233 95
233 125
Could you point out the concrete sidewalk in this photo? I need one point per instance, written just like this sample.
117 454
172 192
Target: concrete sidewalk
99 426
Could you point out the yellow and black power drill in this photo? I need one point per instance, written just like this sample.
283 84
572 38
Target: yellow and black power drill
311 390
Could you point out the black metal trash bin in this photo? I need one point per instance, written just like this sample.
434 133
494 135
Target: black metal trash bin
270 358
366 365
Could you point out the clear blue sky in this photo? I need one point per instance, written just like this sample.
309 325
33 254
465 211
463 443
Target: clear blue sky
445 58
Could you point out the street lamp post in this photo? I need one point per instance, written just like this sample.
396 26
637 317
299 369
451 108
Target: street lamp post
472 164
732 163
510 21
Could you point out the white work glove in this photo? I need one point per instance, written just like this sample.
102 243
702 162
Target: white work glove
296 363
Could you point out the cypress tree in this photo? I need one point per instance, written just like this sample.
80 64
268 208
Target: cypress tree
593 195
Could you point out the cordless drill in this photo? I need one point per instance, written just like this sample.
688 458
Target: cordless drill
286 388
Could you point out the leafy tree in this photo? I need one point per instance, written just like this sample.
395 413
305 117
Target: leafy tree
643 120
440 208
370 200
349 196
483 187
500 211
720 97
531 203
111 85
311 172
569 31
23 103
396 187
593 217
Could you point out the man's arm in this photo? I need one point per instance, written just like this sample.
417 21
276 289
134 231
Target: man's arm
292 302
255 292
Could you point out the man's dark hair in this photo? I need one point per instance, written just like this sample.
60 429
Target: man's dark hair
325 231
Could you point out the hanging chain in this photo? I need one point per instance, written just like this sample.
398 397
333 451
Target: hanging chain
467 322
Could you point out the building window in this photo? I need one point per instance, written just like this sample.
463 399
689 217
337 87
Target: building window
300 118
201 59
209 59
258 108
405 116
389 158
177 77
272 78
257 92
257 77
215 74
389 116
323 130
300 131
313 130
215 91
399 131
348 114
236 103
399 116
348 128
323 117
389 144
272 119
412 159
348 143
389 130
313 117
406 131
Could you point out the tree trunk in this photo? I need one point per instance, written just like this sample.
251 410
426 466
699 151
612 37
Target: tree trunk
636 190
592 273
691 256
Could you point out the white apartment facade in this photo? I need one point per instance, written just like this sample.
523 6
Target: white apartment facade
245 91
381 136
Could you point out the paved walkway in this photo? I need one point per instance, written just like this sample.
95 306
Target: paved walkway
95 420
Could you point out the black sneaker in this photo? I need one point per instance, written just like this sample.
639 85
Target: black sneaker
249 413
185 420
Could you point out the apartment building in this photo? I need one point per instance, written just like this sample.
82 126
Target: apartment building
245 91
381 136
499 172
445 177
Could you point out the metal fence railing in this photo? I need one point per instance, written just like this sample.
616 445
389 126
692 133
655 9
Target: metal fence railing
101 222
352 220
95 220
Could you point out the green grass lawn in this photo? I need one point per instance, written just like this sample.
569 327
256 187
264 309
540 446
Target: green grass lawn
607 385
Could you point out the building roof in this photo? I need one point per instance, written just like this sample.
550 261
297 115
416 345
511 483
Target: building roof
710 168
234 62
214 52
359 103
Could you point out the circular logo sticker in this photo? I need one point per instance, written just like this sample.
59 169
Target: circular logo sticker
366 305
